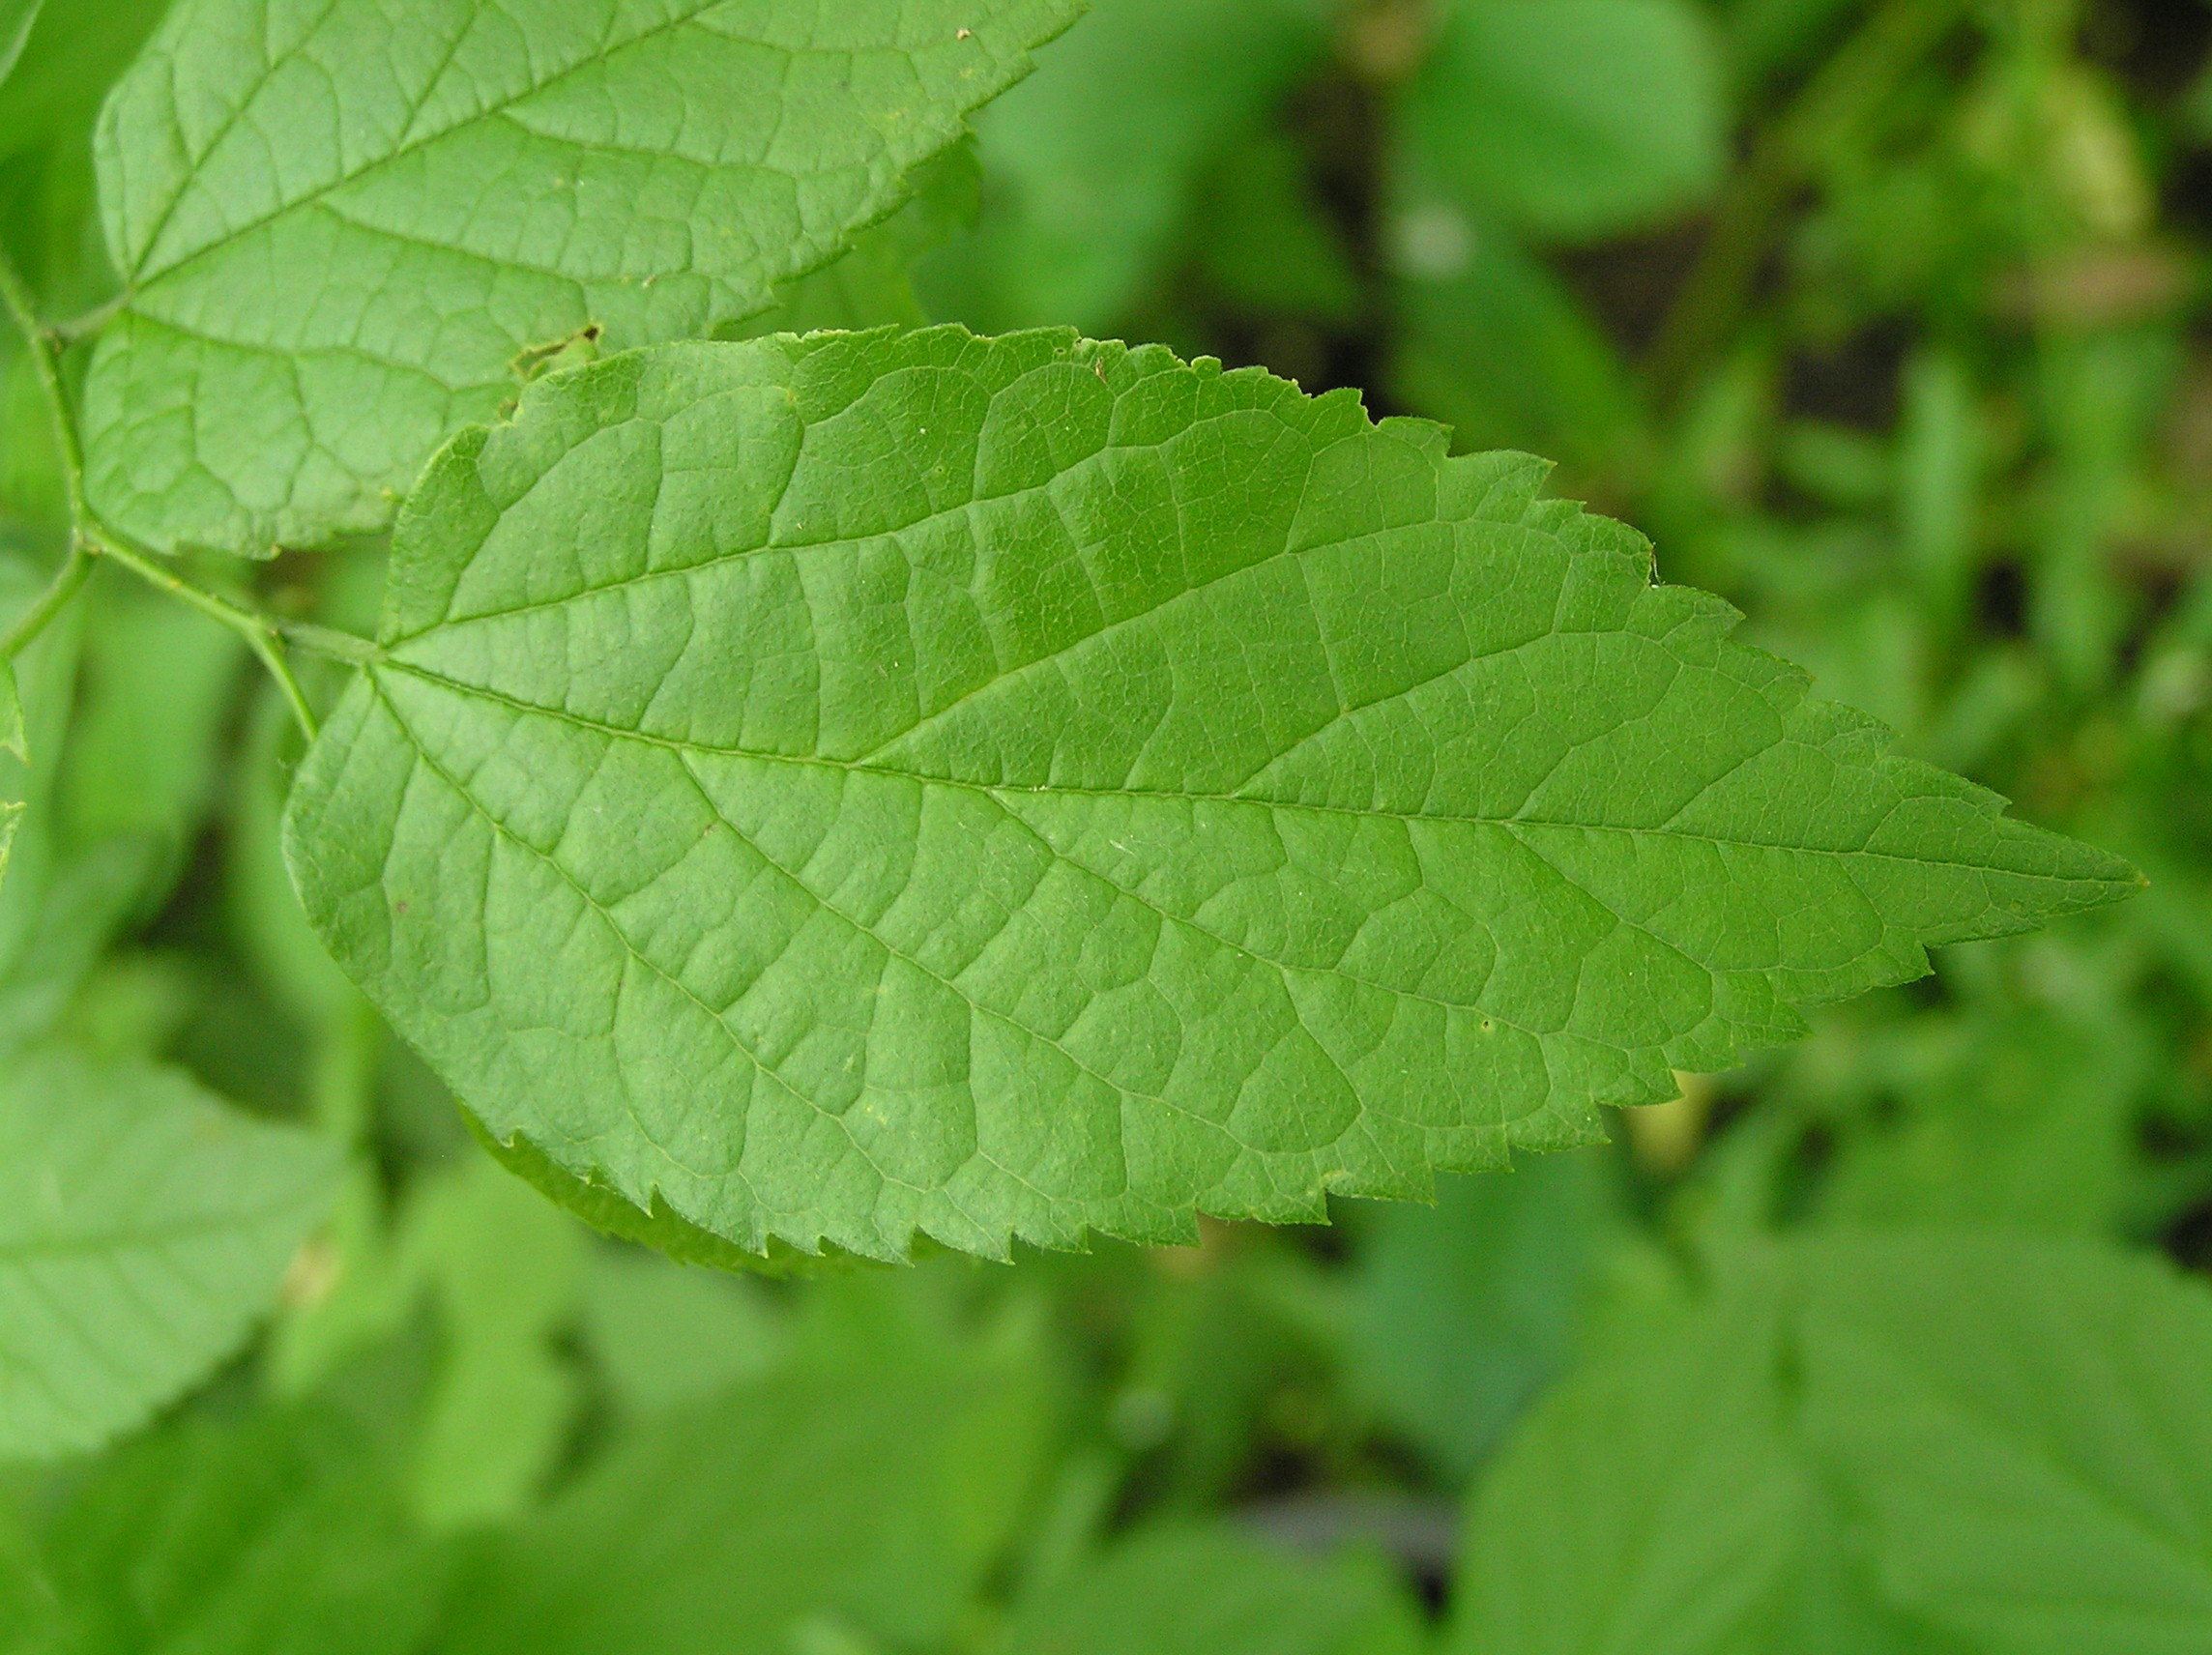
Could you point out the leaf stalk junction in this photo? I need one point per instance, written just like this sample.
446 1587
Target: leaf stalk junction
269 636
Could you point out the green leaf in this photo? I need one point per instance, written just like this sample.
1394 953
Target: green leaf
43 679
70 912
1493 344
1264 243
71 55
11 816
49 217
143 1229
1460 1313
279 1533
858 787
1651 1504
664 1334
1914 1442
655 1224
870 287
504 1274
1661 1501
865 1497
27 1610
117 795
1766 37
1091 167
1571 119
507 1270
291 964
349 1297
1185 1590
17 18
346 234
13 738
2023 1422
2016 1113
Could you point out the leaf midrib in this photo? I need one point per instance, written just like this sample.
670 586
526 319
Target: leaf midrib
1509 824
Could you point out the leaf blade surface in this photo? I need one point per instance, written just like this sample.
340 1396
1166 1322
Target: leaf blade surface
1181 1590
143 1228
865 786
346 235
862 1497
2022 1421
1647 1505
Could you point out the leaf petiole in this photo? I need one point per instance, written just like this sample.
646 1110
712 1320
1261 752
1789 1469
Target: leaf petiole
48 364
90 538
48 603
260 631
76 328
330 642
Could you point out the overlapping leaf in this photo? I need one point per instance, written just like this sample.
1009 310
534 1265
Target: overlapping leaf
864 785
856 1505
1570 118
2023 1423
13 736
348 228
1189 1590
143 1228
1093 164
16 17
1460 1313
280 1531
1667 1476
1882 1444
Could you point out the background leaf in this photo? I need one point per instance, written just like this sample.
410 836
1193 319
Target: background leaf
1091 169
1652 1503
1189 1590
282 1533
143 1229
156 687
1458 1315
666 1334
505 1270
1921 384
869 1494
1924 1440
1493 344
16 17
13 736
1570 117
2023 1424
45 680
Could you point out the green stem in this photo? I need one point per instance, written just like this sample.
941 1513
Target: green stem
47 363
50 603
260 631
263 633
330 642
69 332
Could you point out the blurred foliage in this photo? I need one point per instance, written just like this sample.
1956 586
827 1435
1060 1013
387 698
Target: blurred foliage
1886 318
